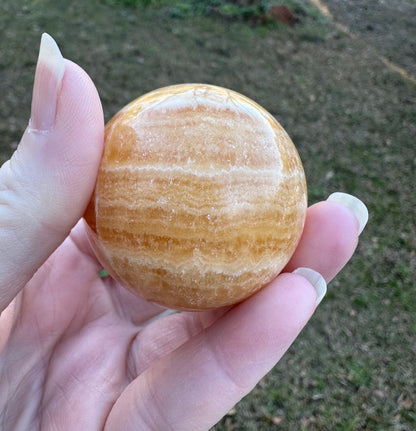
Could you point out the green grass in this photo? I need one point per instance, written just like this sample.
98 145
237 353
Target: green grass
353 121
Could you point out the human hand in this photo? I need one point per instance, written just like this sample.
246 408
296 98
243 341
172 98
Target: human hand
79 351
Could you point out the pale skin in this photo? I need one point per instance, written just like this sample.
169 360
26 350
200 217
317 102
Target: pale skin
79 351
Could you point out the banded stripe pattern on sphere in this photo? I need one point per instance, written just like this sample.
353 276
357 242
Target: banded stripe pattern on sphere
200 198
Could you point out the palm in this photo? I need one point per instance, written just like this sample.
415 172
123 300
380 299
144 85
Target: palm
76 344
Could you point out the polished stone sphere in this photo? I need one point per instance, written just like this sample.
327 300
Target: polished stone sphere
200 199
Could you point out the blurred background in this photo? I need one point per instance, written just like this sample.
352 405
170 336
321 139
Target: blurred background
340 76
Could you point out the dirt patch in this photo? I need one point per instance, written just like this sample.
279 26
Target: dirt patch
388 26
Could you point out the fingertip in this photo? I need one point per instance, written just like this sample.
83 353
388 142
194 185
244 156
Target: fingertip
79 112
316 280
78 90
328 241
293 293
355 205
341 234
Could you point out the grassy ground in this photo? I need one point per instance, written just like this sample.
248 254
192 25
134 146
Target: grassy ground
353 121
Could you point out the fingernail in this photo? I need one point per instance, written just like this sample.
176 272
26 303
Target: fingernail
316 279
354 204
50 70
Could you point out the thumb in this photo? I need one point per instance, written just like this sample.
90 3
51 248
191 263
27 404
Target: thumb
46 185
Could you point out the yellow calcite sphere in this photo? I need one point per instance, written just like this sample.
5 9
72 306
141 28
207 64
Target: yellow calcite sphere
200 199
